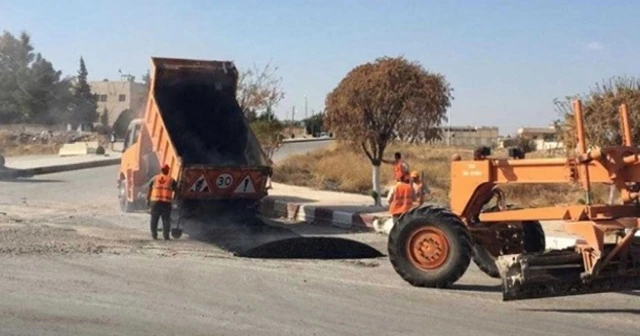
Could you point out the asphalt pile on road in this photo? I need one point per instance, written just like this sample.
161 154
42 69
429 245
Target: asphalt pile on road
312 248
252 237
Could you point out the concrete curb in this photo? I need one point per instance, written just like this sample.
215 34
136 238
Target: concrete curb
356 221
12 173
307 140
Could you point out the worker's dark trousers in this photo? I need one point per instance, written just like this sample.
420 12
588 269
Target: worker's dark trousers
160 209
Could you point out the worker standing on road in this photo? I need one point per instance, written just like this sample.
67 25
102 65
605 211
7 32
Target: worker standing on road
402 196
398 164
159 197
419 188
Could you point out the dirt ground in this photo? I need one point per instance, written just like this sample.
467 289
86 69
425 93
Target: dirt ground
17 143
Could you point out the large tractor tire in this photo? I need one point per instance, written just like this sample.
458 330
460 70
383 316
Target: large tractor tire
533 240
429 247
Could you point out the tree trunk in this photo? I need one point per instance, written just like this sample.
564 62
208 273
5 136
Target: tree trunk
376 183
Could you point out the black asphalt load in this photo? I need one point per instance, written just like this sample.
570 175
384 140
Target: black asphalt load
203 117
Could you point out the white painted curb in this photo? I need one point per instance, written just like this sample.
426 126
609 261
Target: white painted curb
342 219
306 213
306 140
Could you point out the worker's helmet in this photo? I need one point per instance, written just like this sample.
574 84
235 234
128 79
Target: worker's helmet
414 174
165 169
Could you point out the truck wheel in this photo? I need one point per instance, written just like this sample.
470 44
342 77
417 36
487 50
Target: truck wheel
429 247
125 205
533 240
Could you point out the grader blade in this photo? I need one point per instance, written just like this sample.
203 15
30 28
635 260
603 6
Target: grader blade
555 274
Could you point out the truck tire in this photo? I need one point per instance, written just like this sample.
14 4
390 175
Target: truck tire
125 205
533 241
429 247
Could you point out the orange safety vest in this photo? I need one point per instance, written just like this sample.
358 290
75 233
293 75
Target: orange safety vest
397 169
161 189
417 188
401 201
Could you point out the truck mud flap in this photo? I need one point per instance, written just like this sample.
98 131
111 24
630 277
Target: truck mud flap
555 274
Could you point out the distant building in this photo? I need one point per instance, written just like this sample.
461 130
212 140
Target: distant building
544 138
469 136
118 97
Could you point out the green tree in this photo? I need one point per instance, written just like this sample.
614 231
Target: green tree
268 130
377 101
85 103
31 90
314 124
601 114
104 117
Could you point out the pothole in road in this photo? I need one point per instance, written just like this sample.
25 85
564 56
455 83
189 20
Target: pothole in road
313 248
256 239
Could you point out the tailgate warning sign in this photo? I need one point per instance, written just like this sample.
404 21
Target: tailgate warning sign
200 185
246 186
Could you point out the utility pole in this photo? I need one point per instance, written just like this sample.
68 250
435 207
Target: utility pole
293 113
305 106
448 128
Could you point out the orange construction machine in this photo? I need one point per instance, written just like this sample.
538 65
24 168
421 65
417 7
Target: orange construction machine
193 123
433 247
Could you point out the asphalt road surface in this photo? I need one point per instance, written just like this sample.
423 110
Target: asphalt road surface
72 264
299 148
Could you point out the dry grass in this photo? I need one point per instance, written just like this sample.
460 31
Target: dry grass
12 148
340 168
16 144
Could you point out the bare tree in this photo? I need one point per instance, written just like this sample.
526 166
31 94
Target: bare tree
258 90
380 101
600 106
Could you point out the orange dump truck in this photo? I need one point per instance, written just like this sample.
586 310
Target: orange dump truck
193 123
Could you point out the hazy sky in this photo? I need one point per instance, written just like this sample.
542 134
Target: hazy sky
506 60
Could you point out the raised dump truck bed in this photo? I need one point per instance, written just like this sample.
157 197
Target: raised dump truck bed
193 123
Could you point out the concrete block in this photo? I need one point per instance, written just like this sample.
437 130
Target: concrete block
92 146
76 148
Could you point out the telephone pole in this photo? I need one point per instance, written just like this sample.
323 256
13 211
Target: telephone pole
305 106
448 128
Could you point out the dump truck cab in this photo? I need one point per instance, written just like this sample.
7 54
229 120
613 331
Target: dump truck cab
193 123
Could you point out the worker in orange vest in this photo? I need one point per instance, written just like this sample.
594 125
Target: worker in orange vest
419 188
398 164
159 198
402 196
